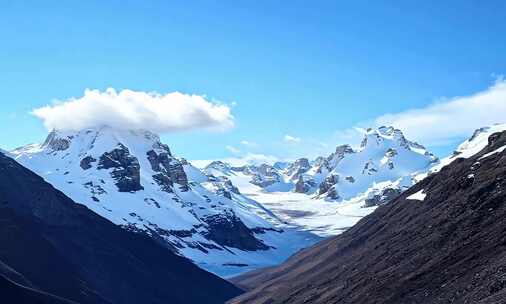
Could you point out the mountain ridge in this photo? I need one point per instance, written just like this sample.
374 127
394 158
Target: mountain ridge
452 220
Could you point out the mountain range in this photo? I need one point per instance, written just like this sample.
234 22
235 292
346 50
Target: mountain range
123 190
441 241
329 194
132 179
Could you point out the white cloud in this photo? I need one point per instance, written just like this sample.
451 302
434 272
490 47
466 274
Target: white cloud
233 149
291 139
249 143
450 119
129 109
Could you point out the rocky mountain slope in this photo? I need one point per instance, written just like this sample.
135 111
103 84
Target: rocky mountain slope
441 241
132 179
57 251
16 293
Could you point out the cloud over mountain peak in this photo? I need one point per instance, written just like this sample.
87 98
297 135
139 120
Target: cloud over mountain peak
128 109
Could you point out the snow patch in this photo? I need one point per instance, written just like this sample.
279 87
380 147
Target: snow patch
498 150
418 196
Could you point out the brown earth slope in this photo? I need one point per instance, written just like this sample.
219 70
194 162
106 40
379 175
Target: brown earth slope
448 248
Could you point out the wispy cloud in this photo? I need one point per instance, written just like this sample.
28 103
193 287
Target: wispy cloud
291 139
233 149
129 109
248 143
451 118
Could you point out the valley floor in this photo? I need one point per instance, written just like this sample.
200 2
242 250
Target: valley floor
301 211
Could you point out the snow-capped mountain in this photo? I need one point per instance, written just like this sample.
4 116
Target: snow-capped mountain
329 194
132 179
384 156
469 147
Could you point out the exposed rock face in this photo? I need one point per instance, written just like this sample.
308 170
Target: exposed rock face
370 168
321 163
384 197
441 241
342 150
229 186
297 168
350 179
170 170
304 184
126 168
86 162
57 143
300 186
230 231
332 193
328 182
225 187
263 175
391 153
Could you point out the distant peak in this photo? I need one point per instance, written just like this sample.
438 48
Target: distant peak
218 164
344 149
387 135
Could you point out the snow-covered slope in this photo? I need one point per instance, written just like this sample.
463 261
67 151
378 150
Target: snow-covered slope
384 155
132 179
471 146
334 192
329 194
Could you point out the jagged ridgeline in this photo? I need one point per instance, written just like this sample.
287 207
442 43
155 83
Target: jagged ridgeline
384 156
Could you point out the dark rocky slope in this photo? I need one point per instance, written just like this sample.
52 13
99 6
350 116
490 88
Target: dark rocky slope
11 292
51 245
447 248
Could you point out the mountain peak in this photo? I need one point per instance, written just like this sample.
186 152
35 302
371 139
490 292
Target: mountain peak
99 140
377 136
130 178
392 138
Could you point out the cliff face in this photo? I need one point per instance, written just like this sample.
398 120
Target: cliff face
441 241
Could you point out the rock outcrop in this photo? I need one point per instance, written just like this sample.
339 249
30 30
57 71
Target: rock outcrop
56 143
170 170
297 168
385 196
229 231
86 163
126 168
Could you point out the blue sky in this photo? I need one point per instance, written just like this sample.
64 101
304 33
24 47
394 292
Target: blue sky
308 70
